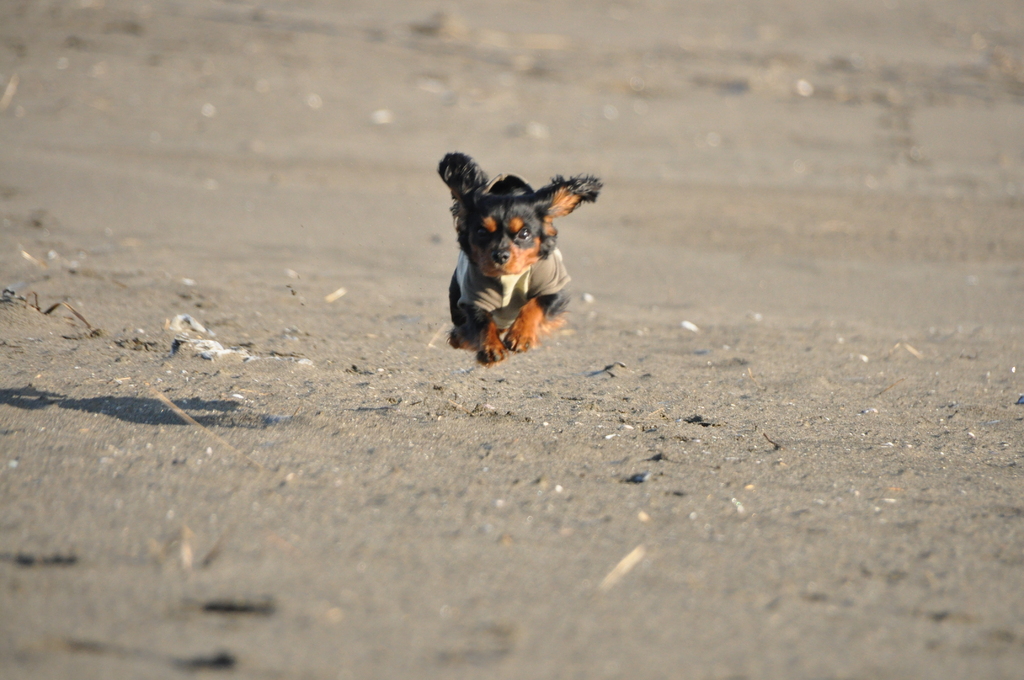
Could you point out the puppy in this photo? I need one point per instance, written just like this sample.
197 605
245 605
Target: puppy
507 288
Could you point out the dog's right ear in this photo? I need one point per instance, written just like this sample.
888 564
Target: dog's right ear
462 175
563 195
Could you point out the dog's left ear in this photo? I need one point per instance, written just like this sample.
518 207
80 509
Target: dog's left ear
563 195
461 174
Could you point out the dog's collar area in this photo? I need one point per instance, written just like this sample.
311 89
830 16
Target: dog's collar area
511 283
503 296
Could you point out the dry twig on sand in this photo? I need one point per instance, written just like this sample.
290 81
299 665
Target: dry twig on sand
73 311
624 566
907 347
890 387
9 91
192 421
460 407
8 294
753 379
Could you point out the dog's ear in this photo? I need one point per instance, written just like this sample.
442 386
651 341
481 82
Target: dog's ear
508 185
563 195
461 174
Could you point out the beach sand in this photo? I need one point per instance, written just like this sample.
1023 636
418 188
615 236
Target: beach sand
778 438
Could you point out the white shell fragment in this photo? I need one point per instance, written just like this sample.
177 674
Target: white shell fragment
331 297
185 322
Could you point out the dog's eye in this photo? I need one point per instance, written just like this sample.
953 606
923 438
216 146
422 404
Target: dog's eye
523 234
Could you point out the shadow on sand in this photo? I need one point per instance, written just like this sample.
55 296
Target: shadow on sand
140 410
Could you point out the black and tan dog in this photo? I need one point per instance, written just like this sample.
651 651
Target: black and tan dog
507 287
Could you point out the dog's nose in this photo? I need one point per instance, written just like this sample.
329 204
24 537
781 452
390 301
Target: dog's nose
500 256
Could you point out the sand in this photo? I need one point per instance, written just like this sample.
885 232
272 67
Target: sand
817 475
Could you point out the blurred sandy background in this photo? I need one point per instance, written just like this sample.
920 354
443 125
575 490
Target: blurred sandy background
815 476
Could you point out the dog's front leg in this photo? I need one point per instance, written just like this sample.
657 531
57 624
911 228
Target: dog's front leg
537 317
480 334
491 349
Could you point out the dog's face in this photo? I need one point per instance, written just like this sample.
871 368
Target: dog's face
506 226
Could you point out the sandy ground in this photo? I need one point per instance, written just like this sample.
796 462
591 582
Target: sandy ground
818 476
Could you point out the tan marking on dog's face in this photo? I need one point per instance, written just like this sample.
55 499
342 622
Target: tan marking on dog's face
490 224
519 260
549 227
515 224
522 258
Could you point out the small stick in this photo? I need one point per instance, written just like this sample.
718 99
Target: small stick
751 374
624 566
34 260
773 443
73 311
12 87
214 552
890 387
331 297
191 421
653 413
460 407
907 347
185 546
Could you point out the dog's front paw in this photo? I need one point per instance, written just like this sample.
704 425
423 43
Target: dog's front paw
526 328
521 339
457 339
492 349
489 356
